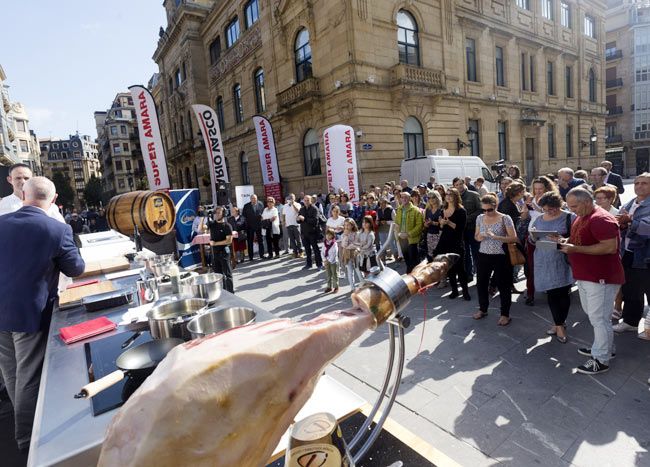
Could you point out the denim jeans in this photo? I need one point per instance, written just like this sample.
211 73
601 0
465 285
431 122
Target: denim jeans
597 301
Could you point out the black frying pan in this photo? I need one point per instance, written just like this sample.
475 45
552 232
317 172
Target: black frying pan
138 361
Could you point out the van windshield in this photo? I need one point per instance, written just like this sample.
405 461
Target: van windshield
487 175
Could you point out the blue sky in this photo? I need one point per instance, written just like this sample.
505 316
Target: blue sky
66 59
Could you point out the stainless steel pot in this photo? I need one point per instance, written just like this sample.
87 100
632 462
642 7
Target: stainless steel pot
170 319
220 319
207 286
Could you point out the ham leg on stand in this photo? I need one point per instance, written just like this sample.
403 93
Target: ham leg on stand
226 399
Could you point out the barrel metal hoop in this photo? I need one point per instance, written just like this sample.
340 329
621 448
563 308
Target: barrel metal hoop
132 206
143 214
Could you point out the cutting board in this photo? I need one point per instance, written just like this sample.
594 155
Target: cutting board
73 295
103 266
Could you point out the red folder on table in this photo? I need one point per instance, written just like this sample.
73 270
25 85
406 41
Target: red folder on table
86 329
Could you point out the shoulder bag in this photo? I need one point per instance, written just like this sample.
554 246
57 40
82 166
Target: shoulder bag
513 250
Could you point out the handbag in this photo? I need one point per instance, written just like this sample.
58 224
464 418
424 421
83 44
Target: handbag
514 251
267 224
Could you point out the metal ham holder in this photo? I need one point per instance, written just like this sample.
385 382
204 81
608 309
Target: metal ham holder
392 284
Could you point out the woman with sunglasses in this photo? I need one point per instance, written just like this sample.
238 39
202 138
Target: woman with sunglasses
552 271
452 226
493 229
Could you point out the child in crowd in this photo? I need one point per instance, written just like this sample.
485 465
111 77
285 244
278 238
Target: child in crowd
349 250
366 244
330 261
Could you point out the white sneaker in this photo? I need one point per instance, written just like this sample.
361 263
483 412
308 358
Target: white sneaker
645 335
624 327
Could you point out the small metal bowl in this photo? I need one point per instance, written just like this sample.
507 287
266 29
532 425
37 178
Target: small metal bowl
220 319
206 286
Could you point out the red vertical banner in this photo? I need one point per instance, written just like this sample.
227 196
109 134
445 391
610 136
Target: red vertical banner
268 157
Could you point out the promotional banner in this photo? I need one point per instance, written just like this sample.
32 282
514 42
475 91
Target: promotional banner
212 138
186 203
268 157
341 160
151 144
243 195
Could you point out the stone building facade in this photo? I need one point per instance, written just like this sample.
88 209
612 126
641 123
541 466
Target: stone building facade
627 55
26 143
521 80
76 158
7 135
119 149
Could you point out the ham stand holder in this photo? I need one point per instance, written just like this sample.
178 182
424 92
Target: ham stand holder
391 283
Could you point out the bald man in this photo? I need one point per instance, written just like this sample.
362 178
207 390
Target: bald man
18 176
35 248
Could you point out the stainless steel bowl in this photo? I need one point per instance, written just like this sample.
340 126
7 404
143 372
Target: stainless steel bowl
220 319
170 318
207 286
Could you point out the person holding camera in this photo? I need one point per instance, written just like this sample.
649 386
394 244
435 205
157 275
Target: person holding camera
220 241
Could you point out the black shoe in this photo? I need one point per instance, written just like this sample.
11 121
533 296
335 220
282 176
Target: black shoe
530 301
306 266
453 294
587 353
466 295
592 367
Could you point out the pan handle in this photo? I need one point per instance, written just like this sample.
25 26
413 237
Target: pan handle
89 390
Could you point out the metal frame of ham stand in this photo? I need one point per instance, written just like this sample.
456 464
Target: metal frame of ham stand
390 282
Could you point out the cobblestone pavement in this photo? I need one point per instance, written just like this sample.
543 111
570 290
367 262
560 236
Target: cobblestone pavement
479 393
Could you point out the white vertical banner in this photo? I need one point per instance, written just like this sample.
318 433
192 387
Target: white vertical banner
151 144
341 160
243 195
268 157
209 125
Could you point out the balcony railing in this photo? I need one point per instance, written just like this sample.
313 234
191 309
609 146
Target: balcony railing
615 110
614 139
615 55
304 90
614 83
407 74
251 40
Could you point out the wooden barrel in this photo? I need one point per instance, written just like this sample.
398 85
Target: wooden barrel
152 211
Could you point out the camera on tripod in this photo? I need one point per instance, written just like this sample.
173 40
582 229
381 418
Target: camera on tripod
499 168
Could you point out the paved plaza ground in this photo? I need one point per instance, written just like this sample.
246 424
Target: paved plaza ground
479 393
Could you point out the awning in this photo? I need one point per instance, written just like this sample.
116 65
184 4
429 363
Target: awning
614 150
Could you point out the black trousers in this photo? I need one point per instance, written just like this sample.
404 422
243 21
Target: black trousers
310 242
637 284
411 256
252 234
221 264
559 301
500 265
272 243
457 272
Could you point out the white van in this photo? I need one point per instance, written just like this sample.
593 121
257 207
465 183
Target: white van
445 169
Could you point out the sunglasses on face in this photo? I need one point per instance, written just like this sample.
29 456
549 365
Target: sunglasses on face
488 210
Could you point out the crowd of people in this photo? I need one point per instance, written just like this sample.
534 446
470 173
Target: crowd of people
559 232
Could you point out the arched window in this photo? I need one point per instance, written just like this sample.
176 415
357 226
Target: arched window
180 178
407 39
220 116
413 139
260 96
188 177
592 85
243 161
310 153
237 104
302 56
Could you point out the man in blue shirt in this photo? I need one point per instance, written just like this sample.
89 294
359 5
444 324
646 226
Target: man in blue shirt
566 182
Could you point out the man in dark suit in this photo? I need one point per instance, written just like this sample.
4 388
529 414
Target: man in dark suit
308 218
35 249
612 178
252 212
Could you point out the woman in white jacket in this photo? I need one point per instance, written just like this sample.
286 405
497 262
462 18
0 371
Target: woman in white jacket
271 228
